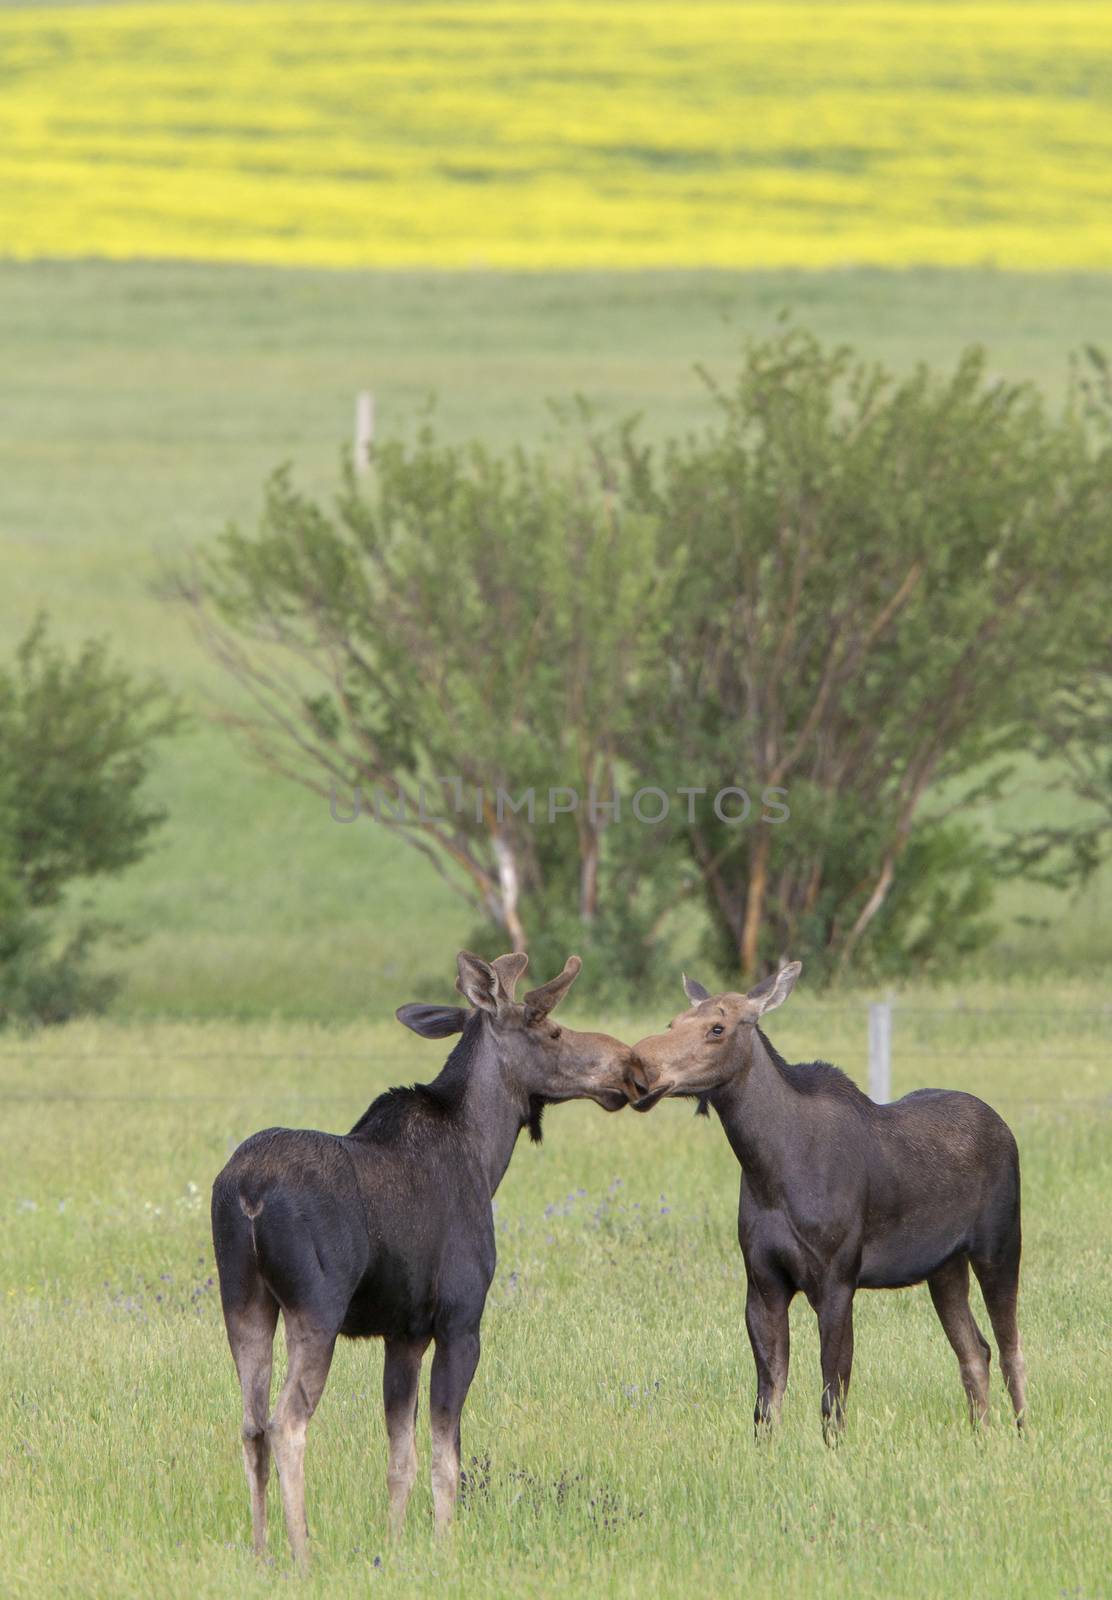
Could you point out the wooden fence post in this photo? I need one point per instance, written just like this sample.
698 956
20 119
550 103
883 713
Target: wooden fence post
364 429
880 1052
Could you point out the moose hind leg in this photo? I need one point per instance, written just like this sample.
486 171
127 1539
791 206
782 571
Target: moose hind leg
453 1368
949 1288
251 1336
999 1282
401 1374
310 1356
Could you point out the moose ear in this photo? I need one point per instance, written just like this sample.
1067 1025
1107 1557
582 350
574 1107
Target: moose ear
694 991
432 1022
539 1002
478 982
774 990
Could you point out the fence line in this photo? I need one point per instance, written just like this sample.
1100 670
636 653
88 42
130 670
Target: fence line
880 1016
30 1050
64 1097
225 1056
952 1012
230 1059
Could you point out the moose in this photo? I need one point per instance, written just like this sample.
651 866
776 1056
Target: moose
838 1193
387 1232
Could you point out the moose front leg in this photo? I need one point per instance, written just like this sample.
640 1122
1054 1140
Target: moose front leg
766 1322
835 1311
453 1367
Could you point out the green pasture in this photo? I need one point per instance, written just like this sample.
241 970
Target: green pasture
142 407
608 1434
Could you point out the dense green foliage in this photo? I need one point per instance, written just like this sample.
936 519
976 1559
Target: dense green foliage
76 745
848 590
886 575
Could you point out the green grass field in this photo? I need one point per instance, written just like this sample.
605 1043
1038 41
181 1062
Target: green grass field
610 1419
143 406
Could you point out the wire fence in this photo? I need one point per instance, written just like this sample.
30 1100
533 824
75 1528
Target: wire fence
1082 1054
1060 1102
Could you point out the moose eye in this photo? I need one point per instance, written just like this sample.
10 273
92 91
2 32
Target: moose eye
718 1028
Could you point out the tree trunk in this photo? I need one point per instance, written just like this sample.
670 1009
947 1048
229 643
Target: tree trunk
708 865
868 911
755 892
887 873
589 830
510 887
588 877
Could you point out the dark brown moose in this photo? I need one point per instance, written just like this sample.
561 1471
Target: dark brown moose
386 1232
840 1194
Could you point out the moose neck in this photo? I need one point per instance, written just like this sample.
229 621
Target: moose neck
761 1114
489 1110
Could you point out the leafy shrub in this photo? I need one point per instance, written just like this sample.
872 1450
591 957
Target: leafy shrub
851 587
76 743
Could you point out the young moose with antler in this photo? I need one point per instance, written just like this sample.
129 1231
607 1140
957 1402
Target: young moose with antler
387 1232
839 1194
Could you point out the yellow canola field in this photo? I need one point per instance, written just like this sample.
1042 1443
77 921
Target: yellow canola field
579 133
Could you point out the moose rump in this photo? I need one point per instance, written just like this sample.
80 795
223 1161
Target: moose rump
290 1219
956 1150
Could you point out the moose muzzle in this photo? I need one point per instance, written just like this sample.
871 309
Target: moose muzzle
648 1079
